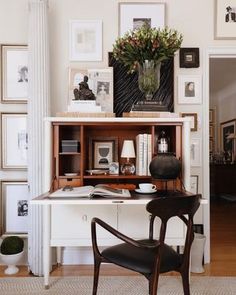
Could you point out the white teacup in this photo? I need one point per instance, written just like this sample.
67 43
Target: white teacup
147 187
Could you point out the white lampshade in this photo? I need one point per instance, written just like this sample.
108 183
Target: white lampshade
128 149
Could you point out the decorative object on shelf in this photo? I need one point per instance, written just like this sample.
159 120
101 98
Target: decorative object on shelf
128 152
97 172
165 166
146 48
114 168
225 18
99 96
11 252
85 40
189 89
162 143
14 140
102 151
193 123
134 15
14 63
189 58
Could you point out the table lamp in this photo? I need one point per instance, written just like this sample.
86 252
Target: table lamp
232 137
128 152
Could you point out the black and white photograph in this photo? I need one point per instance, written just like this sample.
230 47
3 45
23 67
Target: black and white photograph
189 89
14 73
14 207
189 58
139 22
22 206
225 19
134 15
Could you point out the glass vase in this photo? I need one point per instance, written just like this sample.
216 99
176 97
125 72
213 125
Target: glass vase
149 78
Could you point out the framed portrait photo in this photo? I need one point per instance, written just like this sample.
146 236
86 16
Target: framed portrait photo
102 152
134 15
15 198
14 73
189 89
225 19
193 117
227 133
14 139
85 40
189 57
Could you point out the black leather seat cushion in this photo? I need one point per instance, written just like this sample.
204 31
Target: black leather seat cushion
140 259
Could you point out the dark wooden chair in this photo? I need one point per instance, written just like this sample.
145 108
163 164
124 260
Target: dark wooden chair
151 257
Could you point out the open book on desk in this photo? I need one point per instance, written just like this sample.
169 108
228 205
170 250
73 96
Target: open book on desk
90 191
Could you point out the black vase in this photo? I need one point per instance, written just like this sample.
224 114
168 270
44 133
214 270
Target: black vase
165 166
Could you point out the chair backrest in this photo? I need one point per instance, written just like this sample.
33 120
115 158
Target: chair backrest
182 206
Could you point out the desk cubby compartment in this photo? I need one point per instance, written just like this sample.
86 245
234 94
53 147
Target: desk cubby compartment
70 146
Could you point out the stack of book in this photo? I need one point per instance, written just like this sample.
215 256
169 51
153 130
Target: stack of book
143 153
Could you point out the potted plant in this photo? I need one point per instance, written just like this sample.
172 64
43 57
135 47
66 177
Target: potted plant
11 251
143 50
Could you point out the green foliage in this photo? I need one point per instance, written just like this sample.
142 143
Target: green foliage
146 43
12 245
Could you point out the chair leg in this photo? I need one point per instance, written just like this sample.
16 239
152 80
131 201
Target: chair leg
96 276
185 280
153 284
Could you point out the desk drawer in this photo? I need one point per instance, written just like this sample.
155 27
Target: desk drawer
69 181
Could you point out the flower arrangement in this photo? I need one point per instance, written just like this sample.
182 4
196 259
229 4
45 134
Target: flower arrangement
146 43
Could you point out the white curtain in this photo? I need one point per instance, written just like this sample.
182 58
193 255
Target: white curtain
38 108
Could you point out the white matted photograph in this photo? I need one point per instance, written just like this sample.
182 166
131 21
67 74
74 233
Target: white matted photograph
85 42
189 89
225 19
15 198
14 72
195 152
14 139
134 15
194 184
98 83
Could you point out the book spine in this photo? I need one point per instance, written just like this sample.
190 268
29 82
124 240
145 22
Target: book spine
145 153
149 153
139 159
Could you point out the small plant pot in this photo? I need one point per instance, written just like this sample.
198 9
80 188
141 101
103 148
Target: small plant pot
11 261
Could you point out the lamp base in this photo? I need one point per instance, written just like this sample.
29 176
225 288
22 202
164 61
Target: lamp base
127 168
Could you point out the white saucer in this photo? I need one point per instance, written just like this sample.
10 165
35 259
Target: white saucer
138 190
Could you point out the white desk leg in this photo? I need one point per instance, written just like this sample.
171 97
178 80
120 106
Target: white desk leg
46 244
59 256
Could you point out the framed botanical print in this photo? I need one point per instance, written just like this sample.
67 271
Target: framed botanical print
15 198
14 140
195 152
14 73
133 15
194 184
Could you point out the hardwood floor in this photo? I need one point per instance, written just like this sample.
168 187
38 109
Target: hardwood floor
223 248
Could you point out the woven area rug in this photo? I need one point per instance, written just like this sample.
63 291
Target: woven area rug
135 285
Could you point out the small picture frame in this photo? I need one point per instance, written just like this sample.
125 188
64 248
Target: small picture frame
14 139
227 128
189 89
114 168
194 184
211 131
225 19
85 40
14 73
134 15
189 58
193 123
195 152
15 198
102 151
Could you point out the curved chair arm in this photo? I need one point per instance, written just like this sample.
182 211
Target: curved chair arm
117 234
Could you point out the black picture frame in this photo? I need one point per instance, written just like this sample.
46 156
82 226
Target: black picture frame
189 58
